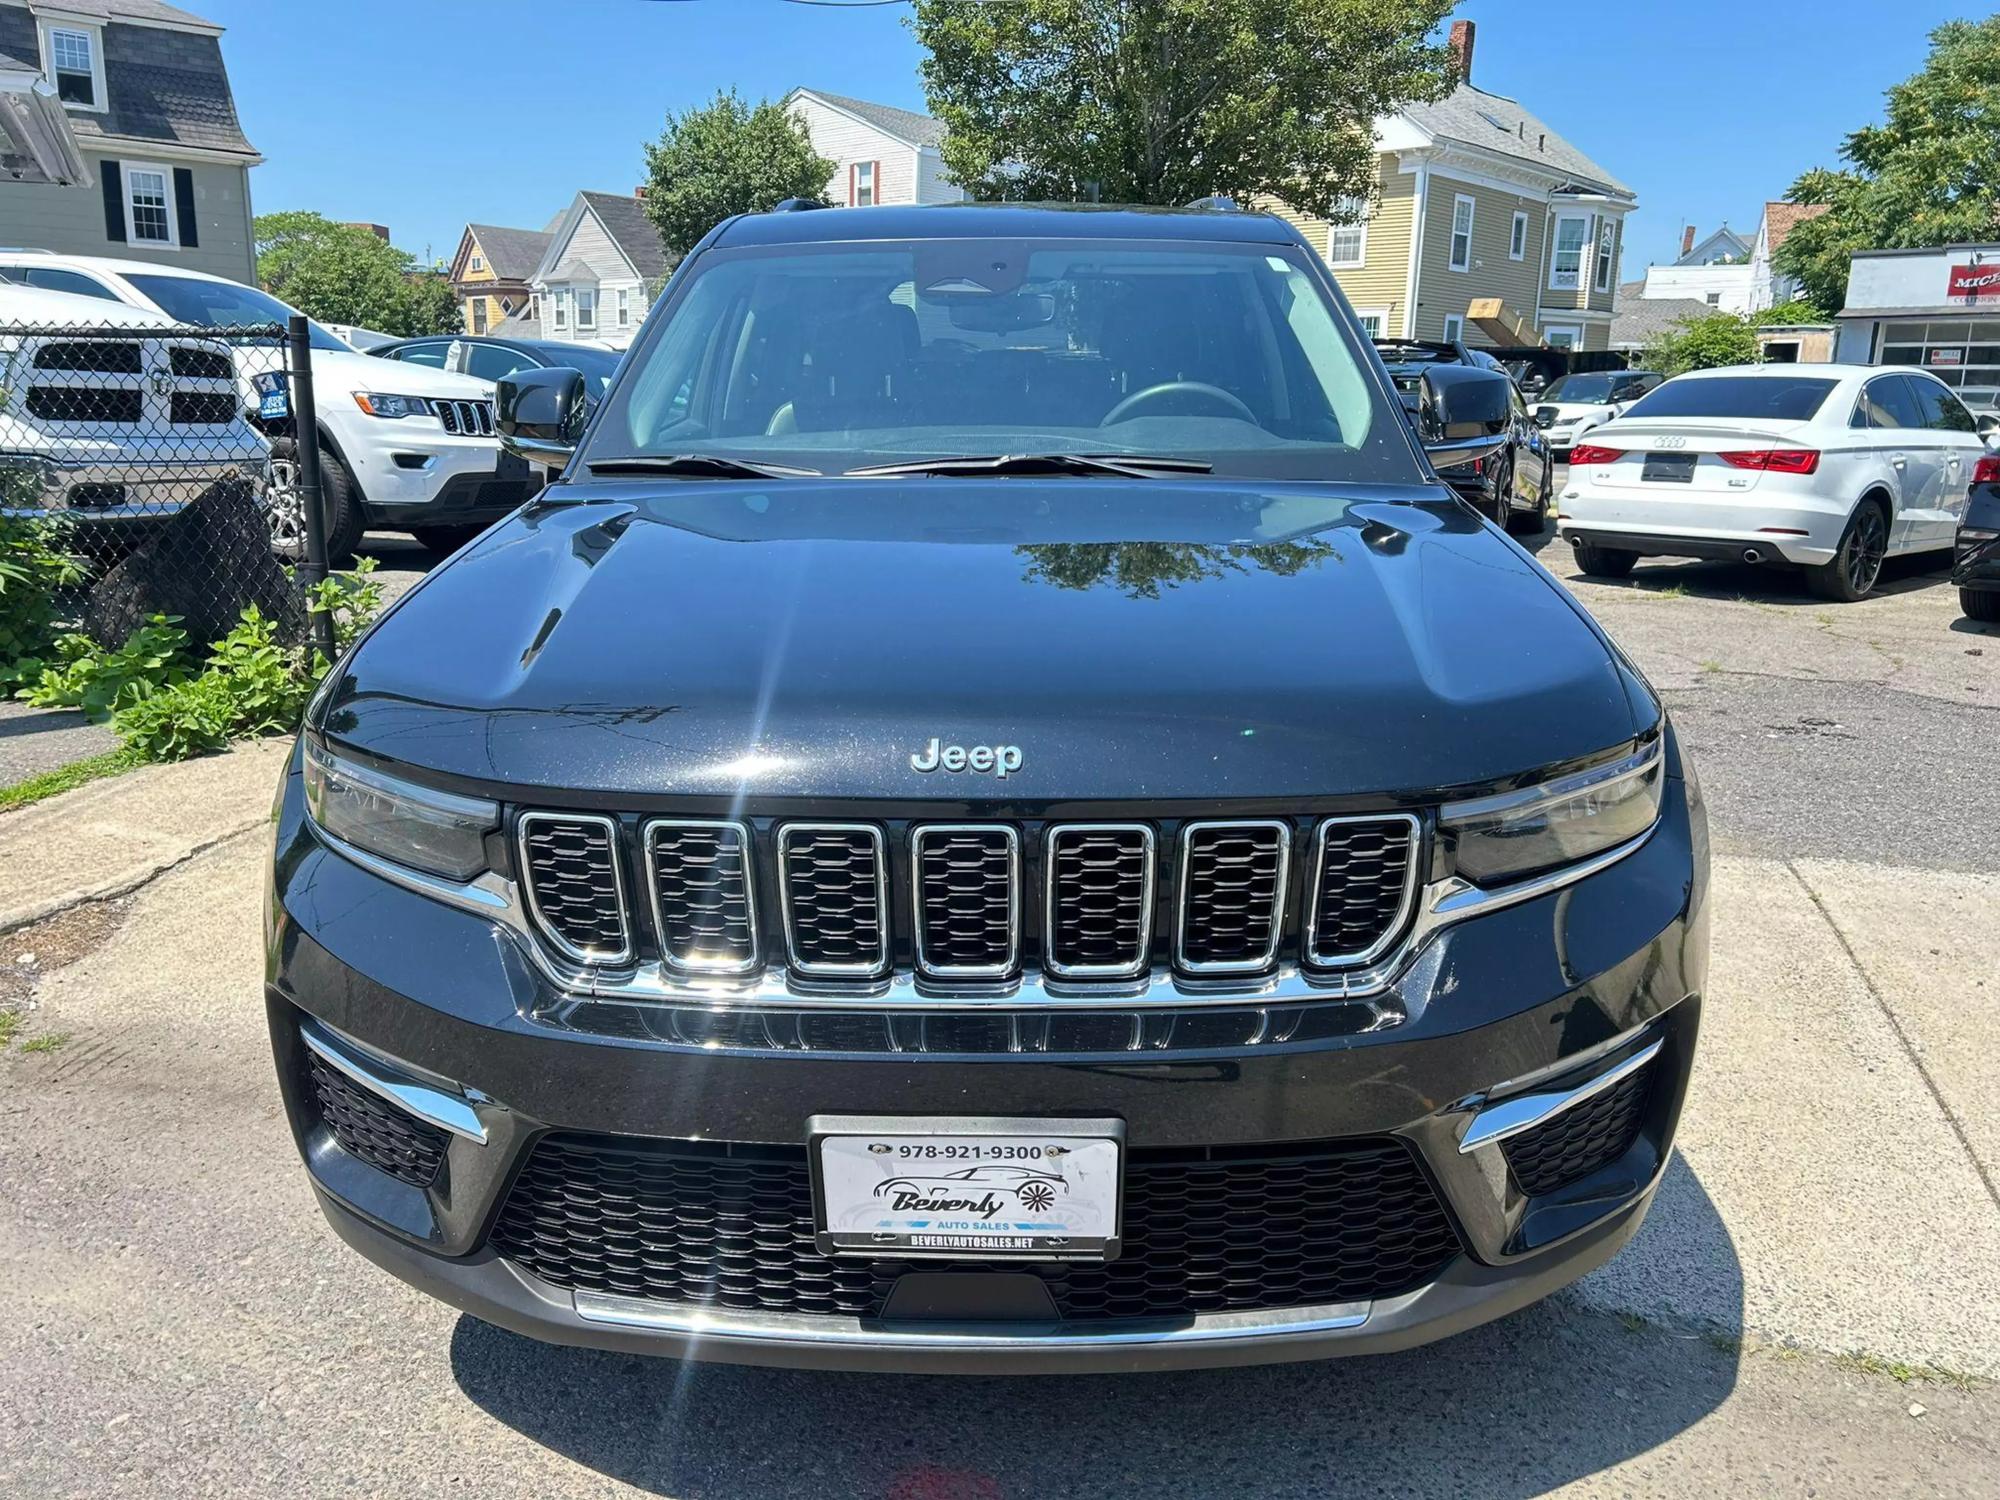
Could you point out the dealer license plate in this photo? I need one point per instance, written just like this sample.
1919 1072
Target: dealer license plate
273 405
1670 468
991 1189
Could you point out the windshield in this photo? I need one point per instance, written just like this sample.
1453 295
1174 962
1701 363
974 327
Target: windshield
1580 388
1773 398
224 304
838 357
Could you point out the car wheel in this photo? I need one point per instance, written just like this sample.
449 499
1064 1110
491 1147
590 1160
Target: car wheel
1857 561
1980 604
1604 562
444 538
1531 522
285 510
1503 490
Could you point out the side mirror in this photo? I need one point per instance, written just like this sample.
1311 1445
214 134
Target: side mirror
1463 413
540 414
1988 425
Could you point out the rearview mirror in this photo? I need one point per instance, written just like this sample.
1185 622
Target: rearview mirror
540 414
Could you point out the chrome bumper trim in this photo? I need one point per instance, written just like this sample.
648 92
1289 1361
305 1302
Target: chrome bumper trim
797 1328
1509 1117
433 1106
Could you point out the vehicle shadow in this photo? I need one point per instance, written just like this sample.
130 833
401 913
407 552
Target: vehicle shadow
1735 581
1555 1393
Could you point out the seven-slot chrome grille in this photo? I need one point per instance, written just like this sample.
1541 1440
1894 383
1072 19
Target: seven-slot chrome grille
1229 899
467 418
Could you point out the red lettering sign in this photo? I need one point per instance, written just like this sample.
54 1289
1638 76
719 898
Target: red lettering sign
1975 283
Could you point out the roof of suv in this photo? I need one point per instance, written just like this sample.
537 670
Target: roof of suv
1052 221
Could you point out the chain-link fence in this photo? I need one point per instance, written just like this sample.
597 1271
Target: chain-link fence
161 462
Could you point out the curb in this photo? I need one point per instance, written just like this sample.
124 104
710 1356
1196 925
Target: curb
122 884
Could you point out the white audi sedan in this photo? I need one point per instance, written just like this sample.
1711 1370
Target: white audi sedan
1829 468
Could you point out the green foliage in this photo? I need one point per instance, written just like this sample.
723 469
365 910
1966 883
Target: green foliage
1141 569
1703 343
101 683
1928 175
33 566
340 274
67 778
727 158
353 599
189 719
1166 101
1798 310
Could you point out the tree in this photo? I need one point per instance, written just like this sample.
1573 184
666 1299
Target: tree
1703 343
727 158
1928 175
338 273
1167 101
1798 310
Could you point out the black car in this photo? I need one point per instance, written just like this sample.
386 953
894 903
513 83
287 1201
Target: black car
485 357
1976 558
992 687
1513 485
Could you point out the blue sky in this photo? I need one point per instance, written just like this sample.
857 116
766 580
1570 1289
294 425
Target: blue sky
423 114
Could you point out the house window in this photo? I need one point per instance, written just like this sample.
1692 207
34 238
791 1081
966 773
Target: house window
624 307
1563 336
1517 237
1454 327
477 263
556 298
1607 233
586 308
864 184
148 219
1566 265
1713 299
1461 232
75 64
1347 244
479 315
1372 320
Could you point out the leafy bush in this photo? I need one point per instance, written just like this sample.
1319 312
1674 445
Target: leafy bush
101 682
190 718
33 565
1704 343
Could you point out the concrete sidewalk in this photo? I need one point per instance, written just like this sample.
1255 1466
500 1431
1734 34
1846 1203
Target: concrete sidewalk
111 837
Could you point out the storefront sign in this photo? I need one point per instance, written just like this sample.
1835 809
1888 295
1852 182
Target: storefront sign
1975 283
1939 356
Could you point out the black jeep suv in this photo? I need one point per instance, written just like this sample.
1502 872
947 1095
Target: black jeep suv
996 816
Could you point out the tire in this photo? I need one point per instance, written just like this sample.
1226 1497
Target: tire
340 499
1857 562
1534 522
445 539
1503 494
1980 604
1604 562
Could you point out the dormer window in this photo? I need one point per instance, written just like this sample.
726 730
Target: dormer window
74 60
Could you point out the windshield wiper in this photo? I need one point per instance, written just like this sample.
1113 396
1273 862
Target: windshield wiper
1130 465
697 466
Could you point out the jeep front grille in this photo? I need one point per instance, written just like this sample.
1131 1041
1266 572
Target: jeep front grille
1100 901
570 865
1364 888
833 878
967 899
1232 895
704 905
468 418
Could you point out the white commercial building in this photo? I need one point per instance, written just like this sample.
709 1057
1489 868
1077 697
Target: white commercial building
1938 309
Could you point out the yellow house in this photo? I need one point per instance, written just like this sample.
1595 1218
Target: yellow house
490 272
1484 225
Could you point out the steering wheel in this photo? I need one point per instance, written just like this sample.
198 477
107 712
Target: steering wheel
1166 390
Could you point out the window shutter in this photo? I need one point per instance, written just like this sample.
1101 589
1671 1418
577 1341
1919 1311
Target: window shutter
113 182
184 206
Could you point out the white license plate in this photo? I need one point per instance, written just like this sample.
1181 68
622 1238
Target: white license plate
968 1189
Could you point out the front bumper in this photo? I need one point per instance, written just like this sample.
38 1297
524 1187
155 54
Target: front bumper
413 473
1976 559
1503 1014
114 490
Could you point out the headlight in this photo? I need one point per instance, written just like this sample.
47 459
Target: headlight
413 825
378 405
1559 822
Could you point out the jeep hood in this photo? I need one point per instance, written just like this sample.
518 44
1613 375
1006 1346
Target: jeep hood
1151 639
364 372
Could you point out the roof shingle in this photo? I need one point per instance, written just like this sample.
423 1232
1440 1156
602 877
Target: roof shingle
1780 219
624 219
511 254
1643 319
1493 122
904 124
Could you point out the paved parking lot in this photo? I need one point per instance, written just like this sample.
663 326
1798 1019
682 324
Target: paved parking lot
1813 1307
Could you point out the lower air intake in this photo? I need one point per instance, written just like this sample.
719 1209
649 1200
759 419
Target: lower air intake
1582 1140
371 1129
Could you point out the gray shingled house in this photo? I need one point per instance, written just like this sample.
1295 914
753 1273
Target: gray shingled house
148 101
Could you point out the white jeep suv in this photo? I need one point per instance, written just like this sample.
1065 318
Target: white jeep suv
402 448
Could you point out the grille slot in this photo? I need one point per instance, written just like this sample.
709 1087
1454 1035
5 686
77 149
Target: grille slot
704 904
1223 1230
833 883
201 408
1232 895
575 888
95 356
967 899
1364 888
372 1129
1100 901
1579 1141
86 403
467 418
202 364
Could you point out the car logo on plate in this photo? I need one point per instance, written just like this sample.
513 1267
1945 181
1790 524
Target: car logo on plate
987 760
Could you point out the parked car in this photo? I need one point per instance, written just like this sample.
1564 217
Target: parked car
403 450
485 357
1830 468
116 431
367 340
1044 646
1511 485
1578 404
1976 553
